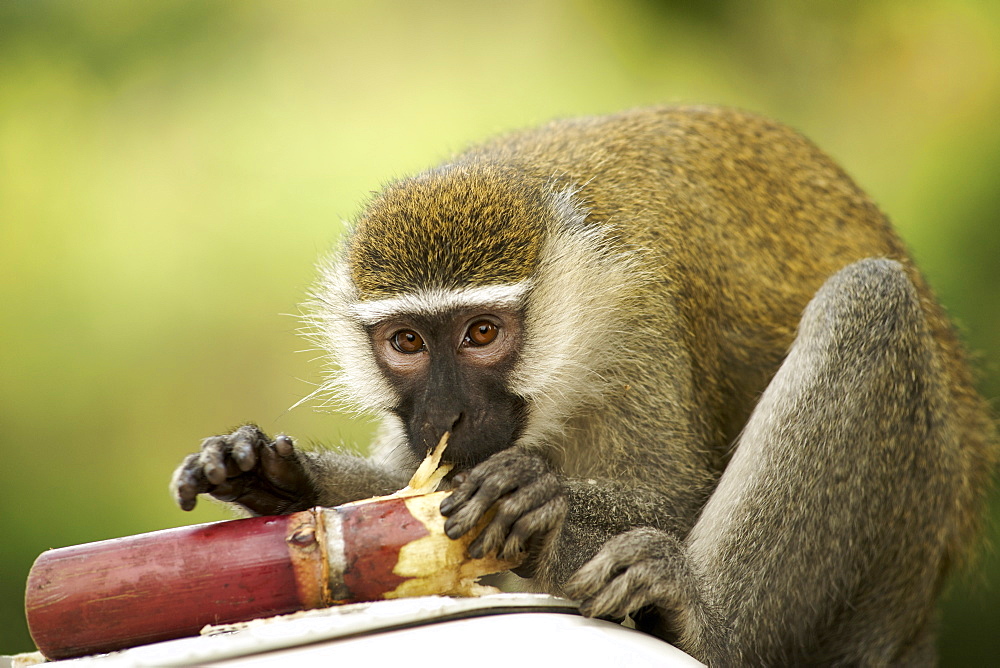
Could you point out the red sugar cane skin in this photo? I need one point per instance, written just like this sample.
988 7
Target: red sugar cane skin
167 584
119 593
374 533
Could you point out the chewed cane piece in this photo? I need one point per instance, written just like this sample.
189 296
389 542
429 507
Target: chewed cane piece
425 479
429 474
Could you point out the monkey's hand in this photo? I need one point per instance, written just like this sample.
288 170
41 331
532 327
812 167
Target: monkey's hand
529 501
643 570
245 467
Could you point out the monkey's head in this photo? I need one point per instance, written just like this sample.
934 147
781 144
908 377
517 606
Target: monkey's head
472 299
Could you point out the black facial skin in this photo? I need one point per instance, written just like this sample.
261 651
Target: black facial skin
453 382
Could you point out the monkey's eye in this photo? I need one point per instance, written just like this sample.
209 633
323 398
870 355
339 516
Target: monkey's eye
407 341
481 333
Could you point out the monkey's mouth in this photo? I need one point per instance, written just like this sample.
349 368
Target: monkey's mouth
478 432
467 448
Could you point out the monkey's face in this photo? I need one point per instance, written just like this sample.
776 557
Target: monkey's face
450 372
476 299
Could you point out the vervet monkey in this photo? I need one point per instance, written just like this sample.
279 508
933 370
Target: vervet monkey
686 359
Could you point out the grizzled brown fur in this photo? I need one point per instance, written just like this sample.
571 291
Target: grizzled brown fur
736 410
447 228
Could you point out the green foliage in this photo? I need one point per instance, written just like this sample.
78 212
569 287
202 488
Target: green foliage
169 172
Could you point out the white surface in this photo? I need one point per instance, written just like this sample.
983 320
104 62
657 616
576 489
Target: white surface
497 641
496 630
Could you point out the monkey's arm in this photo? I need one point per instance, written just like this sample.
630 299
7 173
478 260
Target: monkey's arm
557 522
273 477
837 505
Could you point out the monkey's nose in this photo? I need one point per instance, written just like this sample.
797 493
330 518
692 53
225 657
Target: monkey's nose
452 421
444 420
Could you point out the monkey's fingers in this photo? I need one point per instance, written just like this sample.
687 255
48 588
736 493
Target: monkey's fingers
282 468
476 496
214 459
471 499
534 530
629 591
256 495
245 444
276 457
484 485
468 515
231 489
188 482
283 446
535 508
592 576
229 455
612 560
465 489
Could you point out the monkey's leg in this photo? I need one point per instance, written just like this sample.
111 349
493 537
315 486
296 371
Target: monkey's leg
826 537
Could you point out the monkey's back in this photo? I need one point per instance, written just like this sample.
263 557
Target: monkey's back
741 220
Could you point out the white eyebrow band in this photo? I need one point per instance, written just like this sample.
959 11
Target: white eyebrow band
438 300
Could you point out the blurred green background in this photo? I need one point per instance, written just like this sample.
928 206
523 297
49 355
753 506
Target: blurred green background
169 172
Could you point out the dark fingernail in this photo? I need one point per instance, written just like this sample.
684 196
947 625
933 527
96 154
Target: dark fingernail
446 505
243 456
215 474
452 530
283 445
